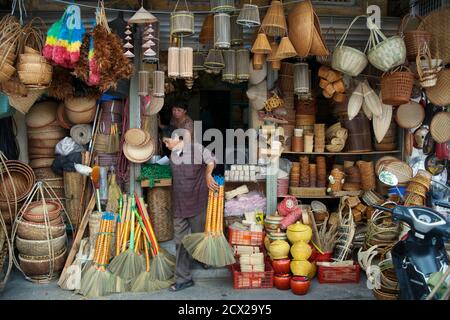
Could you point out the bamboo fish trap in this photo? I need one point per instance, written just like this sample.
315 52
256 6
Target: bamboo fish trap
198 61
222 30
301 78
229 72
242 64
249 16
181 22
186 57
158 83
261 44
214 60
144 77
173 63
237 32
222 5
274 23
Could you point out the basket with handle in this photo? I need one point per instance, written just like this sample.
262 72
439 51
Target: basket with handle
384 53
396 86
181 22
346 59
414 39
427 71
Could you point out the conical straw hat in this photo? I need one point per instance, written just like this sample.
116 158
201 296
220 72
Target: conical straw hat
149 53
261 44
142 16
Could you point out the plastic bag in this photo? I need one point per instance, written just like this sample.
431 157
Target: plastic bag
67 146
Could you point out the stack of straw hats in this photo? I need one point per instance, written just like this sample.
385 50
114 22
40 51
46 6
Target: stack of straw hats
80 110
138 146
44 133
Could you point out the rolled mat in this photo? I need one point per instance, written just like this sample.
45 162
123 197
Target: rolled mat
81 133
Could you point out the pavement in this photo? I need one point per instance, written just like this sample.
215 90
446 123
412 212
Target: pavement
211 284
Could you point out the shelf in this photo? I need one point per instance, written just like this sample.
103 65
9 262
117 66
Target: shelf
343 153
158 183
315 197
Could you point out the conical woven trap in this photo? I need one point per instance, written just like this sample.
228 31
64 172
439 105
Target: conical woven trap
249 16
274 22
199 61
214 60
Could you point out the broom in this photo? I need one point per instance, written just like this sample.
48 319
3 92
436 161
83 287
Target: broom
71 279
97 280
162 267
213 249
128 265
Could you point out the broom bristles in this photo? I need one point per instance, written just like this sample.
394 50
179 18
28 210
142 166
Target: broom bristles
162 267
191 241
127 265
96 283
145 283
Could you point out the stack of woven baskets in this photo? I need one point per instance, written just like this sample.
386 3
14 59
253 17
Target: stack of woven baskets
417 189
382 230
80 110
34 70
44 133
41 240
352 178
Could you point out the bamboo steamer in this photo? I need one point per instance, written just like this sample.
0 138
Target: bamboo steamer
79 104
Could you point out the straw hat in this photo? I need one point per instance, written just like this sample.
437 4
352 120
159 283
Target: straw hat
256 76
301 27
41 114
79 104
139 154
137 137
257 95
153 105
142 16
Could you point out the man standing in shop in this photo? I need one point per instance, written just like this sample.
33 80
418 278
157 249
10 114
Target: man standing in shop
192 166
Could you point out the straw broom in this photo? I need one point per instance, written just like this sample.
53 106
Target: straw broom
162 267
128 264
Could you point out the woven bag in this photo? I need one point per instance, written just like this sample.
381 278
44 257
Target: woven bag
346 59
396 86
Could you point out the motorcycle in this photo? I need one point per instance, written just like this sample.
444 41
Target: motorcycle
420 258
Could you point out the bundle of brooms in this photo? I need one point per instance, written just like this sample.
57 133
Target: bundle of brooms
211 247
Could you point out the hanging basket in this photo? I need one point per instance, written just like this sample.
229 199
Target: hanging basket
301 78
249 16
274 22
396 86
144 77
229 72
237 32
242 64
158 84
258 61
222 5
199 61
214 60
384 53
173 62
414 39
346 59
427 69
285 49
261 44
206 35
222 30
181 22
186 56
437 23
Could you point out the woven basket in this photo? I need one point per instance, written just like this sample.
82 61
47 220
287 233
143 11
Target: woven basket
440 93
440 128
160 207
40 247
396 87
182 23
36 79
33 267
437 24
414 39
24 103
346 59
206 35
274 22
249 16
242 64
35 211
6 72
84 117
410 115
222 30
307 192
20 177
39 231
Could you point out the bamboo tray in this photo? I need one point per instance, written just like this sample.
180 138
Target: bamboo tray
307 192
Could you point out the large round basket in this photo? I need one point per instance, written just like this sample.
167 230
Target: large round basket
440 94
39 267
39 231
160 207
21 178
40 247
35 212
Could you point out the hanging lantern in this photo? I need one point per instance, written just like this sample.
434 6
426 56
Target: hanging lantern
285 49
158 84
181 22
261 44
222 30
274 23
198 61
173 62
249 16
222 5
301 78
152 38
258 61
142 16
144 77
214 60
206 35
186 57
229 72
242 64
237 32
275 62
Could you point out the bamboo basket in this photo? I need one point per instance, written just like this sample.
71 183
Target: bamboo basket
440 93
274 22
185 64
181 22
237 31
160 208
414 39
173 62
249 16
158 83
222 5
242 64
396 86
40 247
73 182
39 231
198 61
229 72
437 24
214 60
222 30
261 45
38 268
301 78
18 180
144 78
258 61
206 35
285 50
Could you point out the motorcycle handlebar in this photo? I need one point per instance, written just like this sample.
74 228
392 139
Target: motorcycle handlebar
444 204
382 208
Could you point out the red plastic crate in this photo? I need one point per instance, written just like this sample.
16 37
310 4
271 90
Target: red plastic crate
245 238
252 280
350 274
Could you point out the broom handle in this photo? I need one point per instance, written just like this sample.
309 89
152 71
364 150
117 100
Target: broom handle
133 206
208 213
138 238
144 230
145 222
127 226
147 257
214 213
221 209
122 204
140 202
98 242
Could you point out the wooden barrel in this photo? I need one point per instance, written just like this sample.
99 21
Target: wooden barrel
73 184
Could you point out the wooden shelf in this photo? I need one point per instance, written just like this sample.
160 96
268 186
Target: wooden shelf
158 183
308 197
343 153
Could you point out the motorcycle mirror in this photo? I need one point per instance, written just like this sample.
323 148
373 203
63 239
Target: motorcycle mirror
388 178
